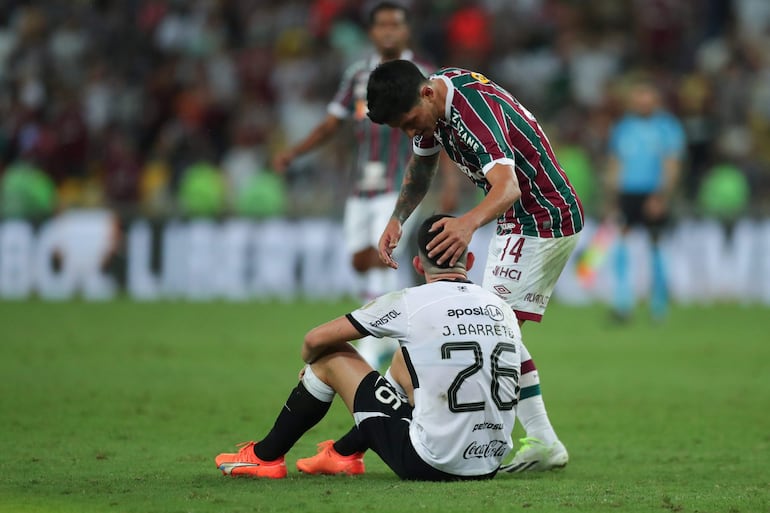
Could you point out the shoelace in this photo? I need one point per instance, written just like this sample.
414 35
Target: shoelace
326 446
245 445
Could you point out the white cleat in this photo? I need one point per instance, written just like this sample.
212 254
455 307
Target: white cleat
534 455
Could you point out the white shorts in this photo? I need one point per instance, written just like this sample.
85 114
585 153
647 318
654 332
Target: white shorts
523 270
366 219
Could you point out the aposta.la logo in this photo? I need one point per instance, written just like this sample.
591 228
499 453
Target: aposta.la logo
491 311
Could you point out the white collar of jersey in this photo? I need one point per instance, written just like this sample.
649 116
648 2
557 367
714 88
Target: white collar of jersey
456 280
375 61
450 93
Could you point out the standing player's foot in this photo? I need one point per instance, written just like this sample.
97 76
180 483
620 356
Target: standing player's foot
245 463
536 455
328 461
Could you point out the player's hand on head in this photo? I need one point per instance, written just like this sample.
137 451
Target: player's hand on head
389 242
454 237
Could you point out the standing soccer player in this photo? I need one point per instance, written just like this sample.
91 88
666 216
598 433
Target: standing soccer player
380 155
644 166
500 146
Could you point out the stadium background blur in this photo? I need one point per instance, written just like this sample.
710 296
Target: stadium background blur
172 109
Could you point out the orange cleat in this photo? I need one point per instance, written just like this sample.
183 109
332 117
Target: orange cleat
330 462
245 463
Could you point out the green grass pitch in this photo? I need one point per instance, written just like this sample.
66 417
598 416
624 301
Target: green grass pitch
121 407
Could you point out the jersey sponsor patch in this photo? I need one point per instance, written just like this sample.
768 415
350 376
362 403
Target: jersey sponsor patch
481 78
385 319
501 289
538 299
509 273
491 311
491 449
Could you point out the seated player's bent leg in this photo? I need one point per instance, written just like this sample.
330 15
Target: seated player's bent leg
380 413
307 404
383 416
345 456
343 371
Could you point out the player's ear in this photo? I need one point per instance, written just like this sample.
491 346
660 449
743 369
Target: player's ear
470 258
417 263
426 91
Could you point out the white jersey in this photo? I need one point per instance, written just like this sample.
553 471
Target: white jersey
462 346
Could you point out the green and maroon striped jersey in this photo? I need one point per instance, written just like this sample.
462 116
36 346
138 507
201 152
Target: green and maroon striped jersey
381 152
485 125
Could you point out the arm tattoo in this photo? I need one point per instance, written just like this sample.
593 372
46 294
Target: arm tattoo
417 179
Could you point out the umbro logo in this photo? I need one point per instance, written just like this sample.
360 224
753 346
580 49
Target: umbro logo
501 290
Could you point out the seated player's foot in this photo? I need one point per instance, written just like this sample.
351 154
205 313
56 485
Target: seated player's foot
535 455
245 463
330 462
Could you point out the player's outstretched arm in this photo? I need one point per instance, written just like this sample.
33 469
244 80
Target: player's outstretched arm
319 135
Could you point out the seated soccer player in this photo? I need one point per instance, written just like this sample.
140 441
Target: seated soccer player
459 365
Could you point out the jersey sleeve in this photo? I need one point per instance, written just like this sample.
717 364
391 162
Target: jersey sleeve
425 146
385 316
342 105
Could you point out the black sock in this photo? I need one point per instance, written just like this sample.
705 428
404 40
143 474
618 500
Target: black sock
351 443
301 412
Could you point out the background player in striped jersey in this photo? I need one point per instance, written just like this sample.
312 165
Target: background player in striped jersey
452 418
380 156
501 147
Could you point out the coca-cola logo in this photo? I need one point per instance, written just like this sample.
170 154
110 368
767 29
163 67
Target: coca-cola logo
491 449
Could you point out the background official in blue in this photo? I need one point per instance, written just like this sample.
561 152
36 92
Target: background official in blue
646 150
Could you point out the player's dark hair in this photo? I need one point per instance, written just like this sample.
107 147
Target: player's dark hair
424 236
387 6
392 91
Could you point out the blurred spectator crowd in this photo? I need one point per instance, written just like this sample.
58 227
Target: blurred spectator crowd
164 107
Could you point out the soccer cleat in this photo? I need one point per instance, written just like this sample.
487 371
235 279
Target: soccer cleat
535 455
330 462
245 463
